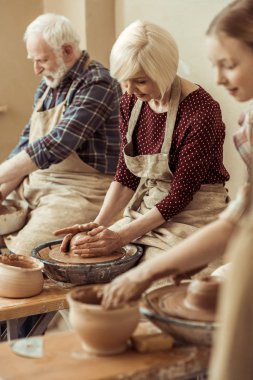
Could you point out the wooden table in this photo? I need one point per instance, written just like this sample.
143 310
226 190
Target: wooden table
48 302
64 359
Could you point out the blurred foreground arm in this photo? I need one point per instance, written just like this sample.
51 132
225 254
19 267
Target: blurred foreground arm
199 249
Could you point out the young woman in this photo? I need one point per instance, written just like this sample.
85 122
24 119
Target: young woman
230 49
230 45
170 175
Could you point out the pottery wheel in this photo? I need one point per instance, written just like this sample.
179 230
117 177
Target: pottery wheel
173 304
71 258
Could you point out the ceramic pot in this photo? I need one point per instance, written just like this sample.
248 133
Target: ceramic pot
102 332
12 216
20 276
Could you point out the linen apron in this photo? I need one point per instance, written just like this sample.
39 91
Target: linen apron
155 184
67 193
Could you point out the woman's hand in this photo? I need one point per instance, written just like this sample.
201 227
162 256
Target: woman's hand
71 231
127 287
99 241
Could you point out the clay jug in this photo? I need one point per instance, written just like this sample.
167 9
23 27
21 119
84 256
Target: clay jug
102 332
20 276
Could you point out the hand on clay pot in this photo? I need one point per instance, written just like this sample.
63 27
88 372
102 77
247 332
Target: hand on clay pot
99 241
177 278
71 231
124 288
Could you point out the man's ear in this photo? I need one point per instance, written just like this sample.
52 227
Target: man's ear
67 51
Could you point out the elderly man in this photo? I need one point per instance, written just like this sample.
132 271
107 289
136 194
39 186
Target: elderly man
68 151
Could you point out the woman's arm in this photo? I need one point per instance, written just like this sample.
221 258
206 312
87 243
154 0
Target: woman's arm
139 227
116 199
197 250
195 157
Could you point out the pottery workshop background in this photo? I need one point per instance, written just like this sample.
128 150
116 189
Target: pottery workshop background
99 22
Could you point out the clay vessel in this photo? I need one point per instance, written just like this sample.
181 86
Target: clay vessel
75 238
102 332
202 293
20 276
12 216
196 300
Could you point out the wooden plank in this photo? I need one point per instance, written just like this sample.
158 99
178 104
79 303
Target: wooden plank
64 359
52 298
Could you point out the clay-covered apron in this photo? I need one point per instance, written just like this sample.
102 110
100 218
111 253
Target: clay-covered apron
66 193
155 184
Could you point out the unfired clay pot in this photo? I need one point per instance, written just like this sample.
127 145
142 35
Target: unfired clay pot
20 276
75 238
195 300
103 332
12 216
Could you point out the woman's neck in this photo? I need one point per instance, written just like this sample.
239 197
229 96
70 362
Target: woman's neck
160 105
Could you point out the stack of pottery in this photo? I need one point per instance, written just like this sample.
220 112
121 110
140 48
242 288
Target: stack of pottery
102 332
20 276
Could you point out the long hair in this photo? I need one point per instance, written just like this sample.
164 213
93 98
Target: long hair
236 21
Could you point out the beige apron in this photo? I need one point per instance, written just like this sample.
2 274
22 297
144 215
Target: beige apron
67 193
156 178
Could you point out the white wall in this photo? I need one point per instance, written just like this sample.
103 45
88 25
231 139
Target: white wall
187 21
72 9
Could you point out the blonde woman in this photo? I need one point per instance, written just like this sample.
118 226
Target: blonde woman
170 175
230 49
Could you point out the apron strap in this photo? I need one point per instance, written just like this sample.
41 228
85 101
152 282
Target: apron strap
171 114
133 119
170 120
85 66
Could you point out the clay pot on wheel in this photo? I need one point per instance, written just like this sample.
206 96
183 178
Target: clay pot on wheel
75 238
20 276
196 300
103 332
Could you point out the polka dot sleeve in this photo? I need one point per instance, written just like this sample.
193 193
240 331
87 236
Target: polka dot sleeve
199 159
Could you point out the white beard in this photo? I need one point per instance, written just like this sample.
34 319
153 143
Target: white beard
56 75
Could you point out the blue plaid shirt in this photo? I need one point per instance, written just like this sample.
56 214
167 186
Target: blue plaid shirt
90 124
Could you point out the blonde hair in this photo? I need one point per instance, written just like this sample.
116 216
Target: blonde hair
148 47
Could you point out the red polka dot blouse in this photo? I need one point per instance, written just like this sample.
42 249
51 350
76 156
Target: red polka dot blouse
196 154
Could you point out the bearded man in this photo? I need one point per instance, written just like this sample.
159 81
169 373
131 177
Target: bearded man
68 151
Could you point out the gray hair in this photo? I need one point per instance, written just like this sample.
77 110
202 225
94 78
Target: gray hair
145 46
55 29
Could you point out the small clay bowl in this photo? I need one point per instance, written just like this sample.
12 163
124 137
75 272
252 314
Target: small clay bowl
102 332
12 216
20 276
